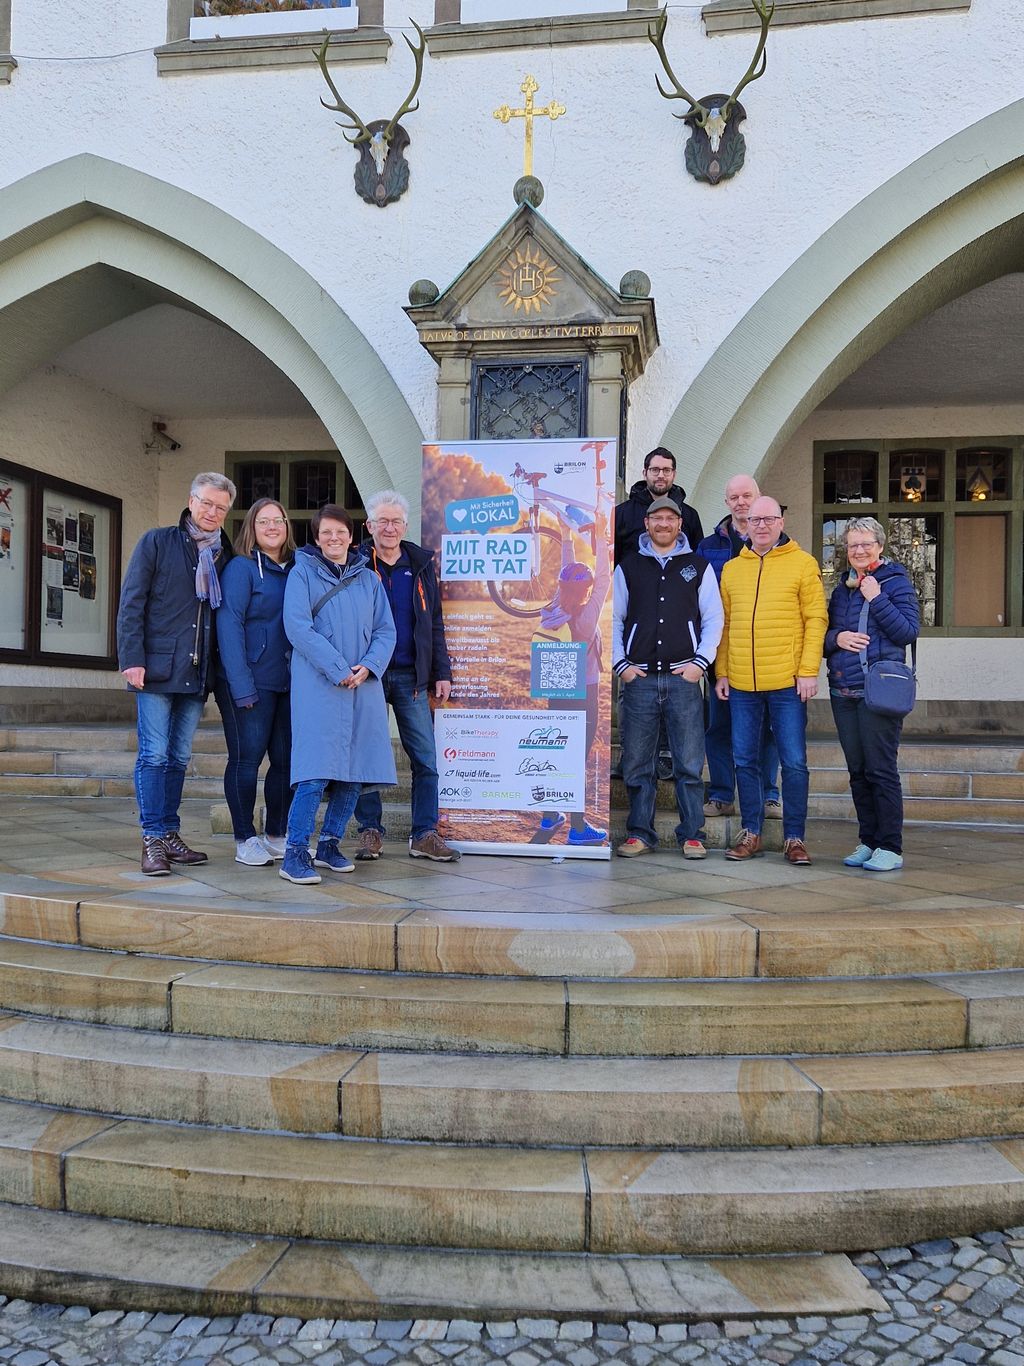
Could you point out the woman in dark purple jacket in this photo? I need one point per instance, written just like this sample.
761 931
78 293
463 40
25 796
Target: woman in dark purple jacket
870 742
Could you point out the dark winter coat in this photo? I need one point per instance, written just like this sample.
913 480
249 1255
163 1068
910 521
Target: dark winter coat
894 621
429 644
629 518
161 625
719 547
252 647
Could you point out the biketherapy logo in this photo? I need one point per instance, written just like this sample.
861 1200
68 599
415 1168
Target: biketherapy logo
544 737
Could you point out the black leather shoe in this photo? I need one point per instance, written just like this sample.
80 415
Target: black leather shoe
179 852
155 859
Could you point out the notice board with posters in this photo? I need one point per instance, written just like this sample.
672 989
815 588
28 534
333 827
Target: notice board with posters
523 535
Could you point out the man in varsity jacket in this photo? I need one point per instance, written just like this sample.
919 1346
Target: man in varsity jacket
666 624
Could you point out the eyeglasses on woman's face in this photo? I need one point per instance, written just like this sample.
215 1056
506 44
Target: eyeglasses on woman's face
265 523
860 547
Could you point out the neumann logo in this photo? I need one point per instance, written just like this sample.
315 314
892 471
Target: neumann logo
544 737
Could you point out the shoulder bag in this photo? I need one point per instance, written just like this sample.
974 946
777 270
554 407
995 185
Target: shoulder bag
890 686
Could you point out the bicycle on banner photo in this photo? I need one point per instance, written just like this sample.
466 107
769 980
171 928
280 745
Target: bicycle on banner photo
529 597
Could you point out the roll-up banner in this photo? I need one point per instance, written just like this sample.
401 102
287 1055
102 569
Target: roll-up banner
524 533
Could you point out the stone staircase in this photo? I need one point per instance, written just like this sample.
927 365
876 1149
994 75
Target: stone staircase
969 782
286 1104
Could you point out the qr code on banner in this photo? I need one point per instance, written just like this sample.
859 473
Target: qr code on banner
558 669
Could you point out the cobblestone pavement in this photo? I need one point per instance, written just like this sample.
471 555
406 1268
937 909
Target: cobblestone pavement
950 1301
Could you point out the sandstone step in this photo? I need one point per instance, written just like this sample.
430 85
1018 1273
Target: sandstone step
933 810
46 1255
514 1015
162 1076
694 1202
802 1198
707 1102
339 1189
843 941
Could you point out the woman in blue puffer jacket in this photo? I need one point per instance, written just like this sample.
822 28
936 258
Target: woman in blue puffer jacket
870 742
253 684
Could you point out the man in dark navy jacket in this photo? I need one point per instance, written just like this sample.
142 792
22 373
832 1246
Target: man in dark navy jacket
165 643
420 662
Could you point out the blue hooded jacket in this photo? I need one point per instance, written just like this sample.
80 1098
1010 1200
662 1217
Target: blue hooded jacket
254 650
894 620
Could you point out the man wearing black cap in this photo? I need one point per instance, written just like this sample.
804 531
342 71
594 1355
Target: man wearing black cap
666 624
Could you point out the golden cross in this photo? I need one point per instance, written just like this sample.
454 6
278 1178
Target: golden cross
551 111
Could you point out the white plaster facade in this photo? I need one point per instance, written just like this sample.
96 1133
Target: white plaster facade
844 108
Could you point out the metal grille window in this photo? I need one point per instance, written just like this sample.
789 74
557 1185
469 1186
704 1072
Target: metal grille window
536 399
257 479
313 483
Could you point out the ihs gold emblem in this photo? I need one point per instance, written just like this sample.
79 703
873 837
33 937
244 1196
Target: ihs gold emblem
528 280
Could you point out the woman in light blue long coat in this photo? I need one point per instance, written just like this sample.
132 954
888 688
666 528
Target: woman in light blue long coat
337 617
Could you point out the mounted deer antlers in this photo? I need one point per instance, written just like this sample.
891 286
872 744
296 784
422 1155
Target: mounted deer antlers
382 173
709 119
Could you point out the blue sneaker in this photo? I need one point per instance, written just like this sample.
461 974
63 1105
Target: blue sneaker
553 822
328 855
883 861
588 835
297 865
859 856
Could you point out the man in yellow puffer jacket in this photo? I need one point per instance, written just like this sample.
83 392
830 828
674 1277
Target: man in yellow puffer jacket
767 668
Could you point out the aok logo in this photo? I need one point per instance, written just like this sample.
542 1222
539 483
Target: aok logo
544 737
462 792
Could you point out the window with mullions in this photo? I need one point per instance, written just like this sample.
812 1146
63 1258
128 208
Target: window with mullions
533 400
954 511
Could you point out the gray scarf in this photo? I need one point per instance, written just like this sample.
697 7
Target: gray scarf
208 545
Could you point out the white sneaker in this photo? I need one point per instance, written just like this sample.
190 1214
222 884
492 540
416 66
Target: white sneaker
252 852
274 847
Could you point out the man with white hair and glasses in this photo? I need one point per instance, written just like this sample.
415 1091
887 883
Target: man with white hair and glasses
419 664
166 637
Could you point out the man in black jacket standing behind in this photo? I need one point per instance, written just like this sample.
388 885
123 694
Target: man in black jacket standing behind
658 482
165 639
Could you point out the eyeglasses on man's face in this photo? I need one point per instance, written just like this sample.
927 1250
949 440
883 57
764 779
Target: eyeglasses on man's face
763 521
660 469
266 522
396 522
207 505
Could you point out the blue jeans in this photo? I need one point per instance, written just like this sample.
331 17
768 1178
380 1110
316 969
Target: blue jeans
752 712
166 723
718 747
416 732
252 732
643 705
306 800
871 745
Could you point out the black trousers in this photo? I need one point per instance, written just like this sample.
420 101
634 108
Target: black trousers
871 746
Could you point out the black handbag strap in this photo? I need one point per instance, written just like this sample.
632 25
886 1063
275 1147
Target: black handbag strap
862 655
331 593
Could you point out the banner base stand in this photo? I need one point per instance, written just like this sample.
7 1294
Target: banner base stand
548 851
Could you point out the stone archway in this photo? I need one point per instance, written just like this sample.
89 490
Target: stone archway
947 223
78 236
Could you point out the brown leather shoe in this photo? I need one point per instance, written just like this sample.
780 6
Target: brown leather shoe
747 846
795 851
371 844
179 852
155 859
